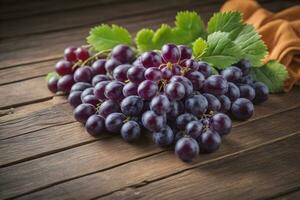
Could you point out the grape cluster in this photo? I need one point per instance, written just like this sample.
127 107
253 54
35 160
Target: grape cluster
167 93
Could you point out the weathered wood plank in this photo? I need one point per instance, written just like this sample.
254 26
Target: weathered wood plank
50 116
24 92
27 71
90 15
107 153
16 9
255 174
293 195
35 49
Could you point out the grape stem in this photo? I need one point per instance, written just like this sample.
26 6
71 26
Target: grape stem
95 56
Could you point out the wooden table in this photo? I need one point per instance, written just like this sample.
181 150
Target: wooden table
45 154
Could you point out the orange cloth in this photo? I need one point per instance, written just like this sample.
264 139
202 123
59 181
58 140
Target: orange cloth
280 31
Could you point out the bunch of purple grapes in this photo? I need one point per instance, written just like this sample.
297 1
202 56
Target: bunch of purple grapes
166 93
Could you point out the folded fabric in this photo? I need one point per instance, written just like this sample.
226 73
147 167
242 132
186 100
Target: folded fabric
280 32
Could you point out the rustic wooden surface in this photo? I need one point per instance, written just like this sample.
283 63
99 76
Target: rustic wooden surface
45 154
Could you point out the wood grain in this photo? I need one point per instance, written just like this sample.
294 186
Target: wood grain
107 153
258 173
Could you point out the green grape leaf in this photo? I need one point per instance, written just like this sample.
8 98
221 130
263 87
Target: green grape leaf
221 51
273 74
225 22
245 36
51 74
251 44
104 37
214 71
143 40
199 47
191 23
162 36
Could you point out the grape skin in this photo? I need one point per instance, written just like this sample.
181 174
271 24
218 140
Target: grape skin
114 90
225 103
213 102
175 91
147 89
75 98
233 92
108 107
122 53
183 119
151 59
95 125
65 83
152 121
247 92
216 85
83 112
160 104
163 138
91 99
136 74
83 74
185 52
187 149
197 105
131 131
221 123
209 141
86 92
52 84
130 89
120 72
262 92
132 105
242 109
170 53
63 67
194 129
100 89
114 122
99 78
99 66
80 86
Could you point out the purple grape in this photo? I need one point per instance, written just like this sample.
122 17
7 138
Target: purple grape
132 105
247 92
233 91
160 104
82 54
147 89
196 78
164 137
114 90
114 122
183 119
99 78
176 69
83 112
120 72
225 103
166 73
175 91
185 52
100 89
75 98
91 99
131 131
194 129
136 74
151 59
80 86
122 53
137 62
153 74
108 107
205 69
52 84
197 105
99 66
64 67
245 66
262 92
232 74
216 85
188 86
213 102
170 53
83 74
130 89
152 121
209 141
221 123
246 80
187 149
95 125
70 55
65 83
242 109
111 64
176 108
191 64
87 91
